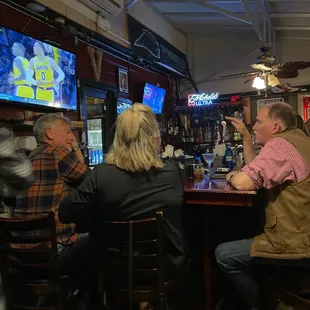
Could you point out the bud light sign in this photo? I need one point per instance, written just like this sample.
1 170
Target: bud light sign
199 100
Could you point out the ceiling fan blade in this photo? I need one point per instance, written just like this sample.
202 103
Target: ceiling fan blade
261 67
273 80
238 74
265 59
294 65
287 74
251 78
289 70
265 49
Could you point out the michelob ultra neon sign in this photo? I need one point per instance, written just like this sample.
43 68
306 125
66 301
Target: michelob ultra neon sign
198 100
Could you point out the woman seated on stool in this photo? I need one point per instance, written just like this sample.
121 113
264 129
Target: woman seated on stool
133 183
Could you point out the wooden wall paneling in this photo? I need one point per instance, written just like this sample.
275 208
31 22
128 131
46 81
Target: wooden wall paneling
246 104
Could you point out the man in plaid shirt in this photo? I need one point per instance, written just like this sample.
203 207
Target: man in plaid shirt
282 171
15 169
58 167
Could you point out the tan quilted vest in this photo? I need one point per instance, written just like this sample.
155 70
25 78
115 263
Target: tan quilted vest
286 231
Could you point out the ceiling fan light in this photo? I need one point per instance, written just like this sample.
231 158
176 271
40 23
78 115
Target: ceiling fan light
259 83
273 81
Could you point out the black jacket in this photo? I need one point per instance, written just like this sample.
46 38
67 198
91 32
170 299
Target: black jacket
110 193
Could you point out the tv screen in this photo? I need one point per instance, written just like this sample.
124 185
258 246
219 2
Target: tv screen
154 97
122 105
34 72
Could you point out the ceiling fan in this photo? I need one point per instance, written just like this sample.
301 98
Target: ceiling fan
268 73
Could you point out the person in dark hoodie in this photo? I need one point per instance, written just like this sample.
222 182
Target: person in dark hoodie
15 168
15 174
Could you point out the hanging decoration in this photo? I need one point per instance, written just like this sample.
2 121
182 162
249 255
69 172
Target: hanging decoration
95 57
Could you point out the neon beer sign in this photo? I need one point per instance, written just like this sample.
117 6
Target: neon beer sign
199 100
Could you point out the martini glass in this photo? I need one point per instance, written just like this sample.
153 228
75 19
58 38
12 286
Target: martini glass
209 158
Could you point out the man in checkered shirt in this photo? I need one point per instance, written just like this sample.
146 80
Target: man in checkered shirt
58 167
282 171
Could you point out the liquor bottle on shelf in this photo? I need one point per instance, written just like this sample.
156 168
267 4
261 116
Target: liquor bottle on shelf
192 139
185 122
170 127
188 122
201 138
209 133
217 138
205 135
176 127
236 137
229 157
196 134
183 136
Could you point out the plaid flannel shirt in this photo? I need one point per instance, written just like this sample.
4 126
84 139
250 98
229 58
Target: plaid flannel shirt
15 169
57 171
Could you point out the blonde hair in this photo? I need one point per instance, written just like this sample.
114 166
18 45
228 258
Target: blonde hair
132 149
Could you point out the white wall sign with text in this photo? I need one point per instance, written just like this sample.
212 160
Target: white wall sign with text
262 102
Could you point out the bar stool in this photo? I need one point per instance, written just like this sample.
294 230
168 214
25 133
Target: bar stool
132 269
29 264
289 285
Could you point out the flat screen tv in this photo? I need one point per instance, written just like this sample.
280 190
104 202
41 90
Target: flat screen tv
33 72
122 105
154 97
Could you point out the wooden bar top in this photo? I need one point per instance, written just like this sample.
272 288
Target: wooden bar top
219 186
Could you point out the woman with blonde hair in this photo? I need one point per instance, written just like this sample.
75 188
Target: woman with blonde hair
133 183
137 140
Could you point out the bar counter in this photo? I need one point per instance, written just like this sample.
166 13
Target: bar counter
207 194
215 192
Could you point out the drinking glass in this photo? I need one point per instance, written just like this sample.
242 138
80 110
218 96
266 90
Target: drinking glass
209 158
199 172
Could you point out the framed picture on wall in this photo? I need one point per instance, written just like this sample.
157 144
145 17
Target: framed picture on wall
123 81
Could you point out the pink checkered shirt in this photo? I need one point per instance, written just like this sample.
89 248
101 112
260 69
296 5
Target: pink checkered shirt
277 162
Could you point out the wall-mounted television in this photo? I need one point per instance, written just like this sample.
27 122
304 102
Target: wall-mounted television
154 97
33 72
122 104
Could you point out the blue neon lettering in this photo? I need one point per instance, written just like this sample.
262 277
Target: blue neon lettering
199 100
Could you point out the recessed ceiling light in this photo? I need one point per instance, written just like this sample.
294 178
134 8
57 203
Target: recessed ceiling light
35 7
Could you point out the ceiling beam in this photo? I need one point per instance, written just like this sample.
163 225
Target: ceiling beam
166 18
290 15
222 11
206 1
288 1
272 36
223 1
293 28
296 38
205 14
253 20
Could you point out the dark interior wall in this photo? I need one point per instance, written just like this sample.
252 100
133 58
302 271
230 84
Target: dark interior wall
20 22
290 98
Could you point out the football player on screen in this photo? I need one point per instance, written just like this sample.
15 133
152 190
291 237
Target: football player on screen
19 75
42 68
